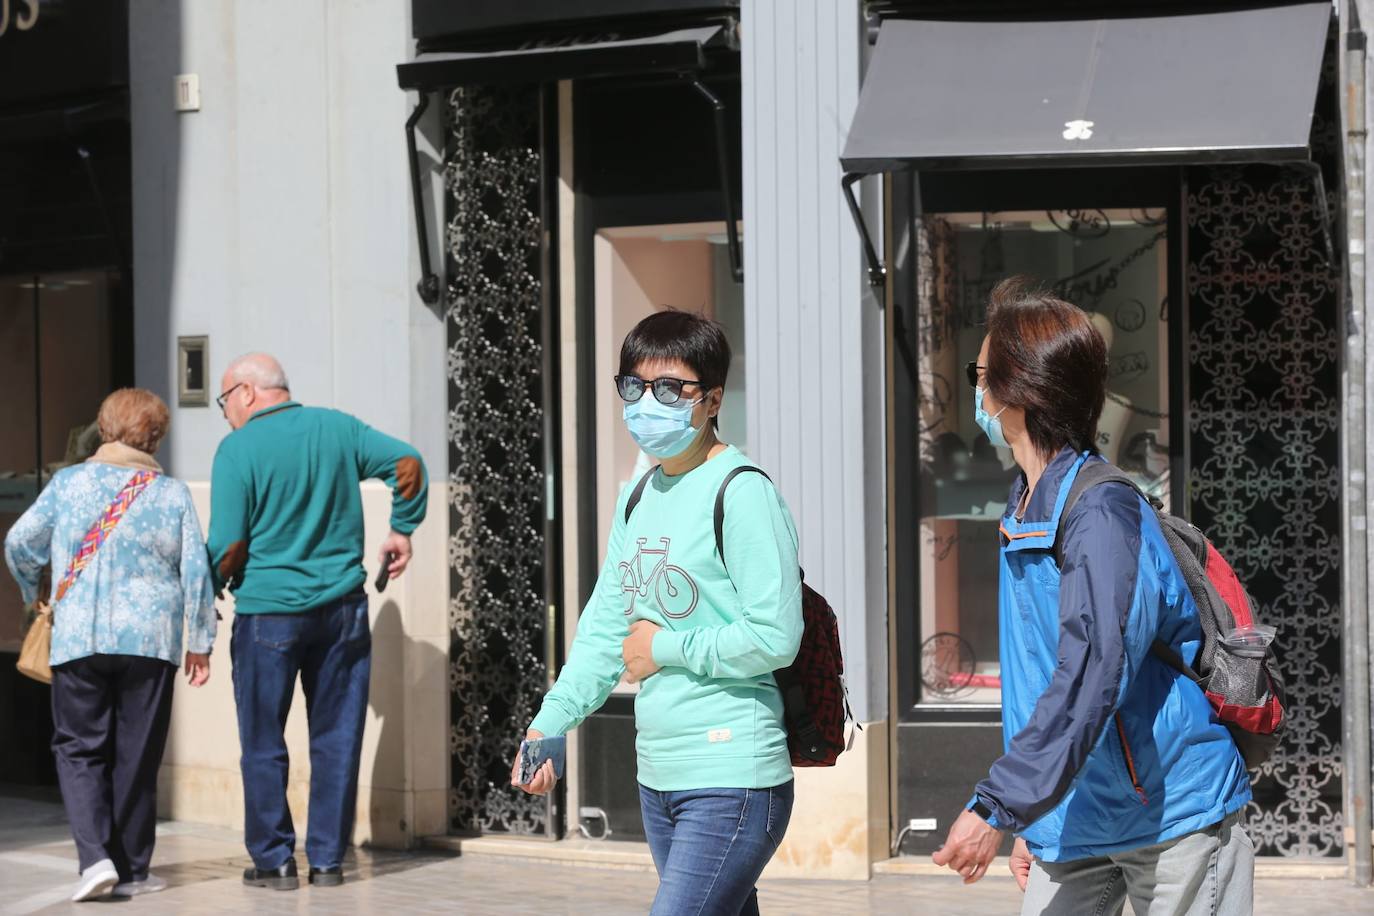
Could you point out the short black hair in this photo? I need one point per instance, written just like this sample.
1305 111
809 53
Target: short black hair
1046 358
691 338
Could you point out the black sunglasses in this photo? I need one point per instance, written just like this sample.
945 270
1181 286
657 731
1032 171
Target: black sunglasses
224 397
971 372
666 390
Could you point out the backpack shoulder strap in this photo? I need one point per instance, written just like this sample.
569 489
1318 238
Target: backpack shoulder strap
1090 475
720 503
637 493
1165 653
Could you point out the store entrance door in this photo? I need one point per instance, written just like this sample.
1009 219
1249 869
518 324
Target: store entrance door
58 334
639 270
1114 262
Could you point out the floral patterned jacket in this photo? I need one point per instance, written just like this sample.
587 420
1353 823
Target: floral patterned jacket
148 580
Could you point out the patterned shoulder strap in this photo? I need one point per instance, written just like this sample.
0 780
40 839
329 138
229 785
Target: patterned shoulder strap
103 527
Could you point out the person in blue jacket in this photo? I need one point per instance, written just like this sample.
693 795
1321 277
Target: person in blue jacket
1116 779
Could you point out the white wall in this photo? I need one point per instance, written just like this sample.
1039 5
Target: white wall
278 216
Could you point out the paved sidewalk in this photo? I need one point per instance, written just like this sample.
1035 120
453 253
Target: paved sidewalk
202 865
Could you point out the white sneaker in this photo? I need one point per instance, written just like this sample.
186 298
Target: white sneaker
96 881
149 885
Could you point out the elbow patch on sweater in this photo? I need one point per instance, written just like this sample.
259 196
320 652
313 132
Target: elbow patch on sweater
409 475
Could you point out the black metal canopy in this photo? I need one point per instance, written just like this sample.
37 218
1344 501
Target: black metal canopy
1235 86
681 53
678 51
445 21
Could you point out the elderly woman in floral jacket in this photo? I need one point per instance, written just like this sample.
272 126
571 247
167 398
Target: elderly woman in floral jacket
118 615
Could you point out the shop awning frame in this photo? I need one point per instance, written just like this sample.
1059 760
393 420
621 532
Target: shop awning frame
682 52
1237 86
678 51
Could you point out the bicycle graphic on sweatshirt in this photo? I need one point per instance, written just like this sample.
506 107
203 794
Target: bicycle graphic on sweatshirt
673 587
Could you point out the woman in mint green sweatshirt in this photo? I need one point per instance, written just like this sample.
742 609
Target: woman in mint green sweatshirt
703 640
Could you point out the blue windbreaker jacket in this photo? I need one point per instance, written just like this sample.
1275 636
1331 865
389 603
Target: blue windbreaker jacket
1107 748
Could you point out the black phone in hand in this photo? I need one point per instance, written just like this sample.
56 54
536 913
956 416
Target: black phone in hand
384 574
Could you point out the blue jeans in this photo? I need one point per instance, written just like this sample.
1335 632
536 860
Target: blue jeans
331 648
710 846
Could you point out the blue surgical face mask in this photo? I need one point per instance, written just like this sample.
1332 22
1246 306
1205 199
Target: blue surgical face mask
662 430
989 423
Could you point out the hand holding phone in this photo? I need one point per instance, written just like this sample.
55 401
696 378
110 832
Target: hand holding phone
384 574
535 751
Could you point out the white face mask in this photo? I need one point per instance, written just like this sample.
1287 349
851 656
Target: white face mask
989 423
662 430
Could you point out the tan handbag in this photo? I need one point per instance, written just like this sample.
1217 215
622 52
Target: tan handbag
37 648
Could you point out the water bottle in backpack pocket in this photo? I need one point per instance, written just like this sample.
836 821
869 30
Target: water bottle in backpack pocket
1238 666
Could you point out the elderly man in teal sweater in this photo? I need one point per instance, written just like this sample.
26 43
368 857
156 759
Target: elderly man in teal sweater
286 537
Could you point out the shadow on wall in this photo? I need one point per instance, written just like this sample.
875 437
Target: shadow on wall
389 778
155 59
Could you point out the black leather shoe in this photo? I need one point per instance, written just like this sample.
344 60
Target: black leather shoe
278 879
326 877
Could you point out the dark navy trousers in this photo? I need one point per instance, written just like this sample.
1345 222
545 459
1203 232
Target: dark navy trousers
110 716
330 648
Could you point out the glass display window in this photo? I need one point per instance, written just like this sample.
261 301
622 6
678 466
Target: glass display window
1111 263
56 367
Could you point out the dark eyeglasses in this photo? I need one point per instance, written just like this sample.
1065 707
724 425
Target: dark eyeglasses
971 372
666 390
224 397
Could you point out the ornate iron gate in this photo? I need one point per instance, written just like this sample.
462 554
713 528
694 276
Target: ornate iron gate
496 430
1266 478
1264 422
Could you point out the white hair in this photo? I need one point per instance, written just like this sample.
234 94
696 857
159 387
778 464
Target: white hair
259 370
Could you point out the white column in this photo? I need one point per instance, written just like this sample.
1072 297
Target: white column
813 334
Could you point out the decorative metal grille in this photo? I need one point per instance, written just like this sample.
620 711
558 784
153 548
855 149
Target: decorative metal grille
1265 482
497 506
1265 435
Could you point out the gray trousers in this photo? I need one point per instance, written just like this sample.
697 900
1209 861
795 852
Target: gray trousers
1207 873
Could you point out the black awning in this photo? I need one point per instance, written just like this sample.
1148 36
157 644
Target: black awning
679 51
1236 86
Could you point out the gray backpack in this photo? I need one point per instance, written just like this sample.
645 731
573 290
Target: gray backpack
1235 667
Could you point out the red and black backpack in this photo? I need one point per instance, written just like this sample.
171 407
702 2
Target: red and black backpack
1244 686
815 701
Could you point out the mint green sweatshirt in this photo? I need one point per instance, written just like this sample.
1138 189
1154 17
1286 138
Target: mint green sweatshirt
711 717
286 516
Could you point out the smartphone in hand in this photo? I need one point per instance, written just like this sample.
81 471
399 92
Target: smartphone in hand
534 752
384 575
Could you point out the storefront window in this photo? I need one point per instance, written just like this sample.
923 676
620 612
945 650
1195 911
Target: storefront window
1110 263
55 369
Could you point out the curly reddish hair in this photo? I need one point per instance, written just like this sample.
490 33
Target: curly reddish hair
136 417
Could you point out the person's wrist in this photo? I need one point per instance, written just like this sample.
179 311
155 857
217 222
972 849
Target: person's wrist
666 648
980 809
